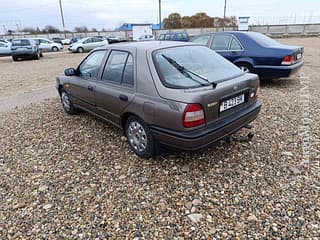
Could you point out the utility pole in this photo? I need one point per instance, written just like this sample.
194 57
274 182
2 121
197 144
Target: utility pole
160 14
224 14
62 18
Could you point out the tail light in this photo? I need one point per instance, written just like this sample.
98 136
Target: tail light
255 97
288 60
193 116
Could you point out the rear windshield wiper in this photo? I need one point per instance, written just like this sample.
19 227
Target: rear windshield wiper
186 72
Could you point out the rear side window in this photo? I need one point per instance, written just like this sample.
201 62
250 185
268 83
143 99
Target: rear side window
90 67
119 68
203 40
161 37
167 37
221 42
20 42
235 45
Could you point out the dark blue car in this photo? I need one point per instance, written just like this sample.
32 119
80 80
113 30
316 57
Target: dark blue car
174 36
254 52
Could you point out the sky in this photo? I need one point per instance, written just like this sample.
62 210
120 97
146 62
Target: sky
109 14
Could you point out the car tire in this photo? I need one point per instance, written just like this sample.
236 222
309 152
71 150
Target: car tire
80 50
37 56
15 58
245 67
67 103
139 137
55 49
41 54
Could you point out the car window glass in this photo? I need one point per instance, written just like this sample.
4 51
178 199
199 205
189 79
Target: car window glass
114 68
167 37
161 37
235 46
172 37
20 42
198 59
88 41
220 42
90 67
1 44
128 72
203 40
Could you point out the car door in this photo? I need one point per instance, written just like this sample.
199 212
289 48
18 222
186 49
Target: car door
87 44
4 49
97 42
227 45
45 45
82 86
116 89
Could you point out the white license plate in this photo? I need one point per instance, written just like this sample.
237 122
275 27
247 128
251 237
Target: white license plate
232 102
299 55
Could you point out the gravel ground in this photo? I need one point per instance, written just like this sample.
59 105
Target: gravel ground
28 75
73 177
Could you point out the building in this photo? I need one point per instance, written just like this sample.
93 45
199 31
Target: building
128 26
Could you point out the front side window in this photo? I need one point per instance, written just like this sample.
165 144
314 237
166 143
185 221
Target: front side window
197 59
161 37
119 68
90 67
221 42
203 40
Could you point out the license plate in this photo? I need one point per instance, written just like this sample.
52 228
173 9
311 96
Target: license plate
232 102
299 55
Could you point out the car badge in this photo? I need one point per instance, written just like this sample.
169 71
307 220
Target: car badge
235 88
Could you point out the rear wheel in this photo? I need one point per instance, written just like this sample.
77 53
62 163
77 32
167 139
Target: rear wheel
55 49
37 56
80 50
15 58
245 67
139 137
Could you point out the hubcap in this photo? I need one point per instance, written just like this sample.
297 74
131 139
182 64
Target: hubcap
65 101
137 136
245 69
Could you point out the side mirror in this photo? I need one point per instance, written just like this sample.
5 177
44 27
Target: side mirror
70 72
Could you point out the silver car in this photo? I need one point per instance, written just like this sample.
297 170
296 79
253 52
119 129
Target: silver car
87 44
182 95
5 48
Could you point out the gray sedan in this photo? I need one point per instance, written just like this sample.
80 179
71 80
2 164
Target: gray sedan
181 95
87 44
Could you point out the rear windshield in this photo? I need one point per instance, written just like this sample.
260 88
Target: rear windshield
200 60
263 39
20 42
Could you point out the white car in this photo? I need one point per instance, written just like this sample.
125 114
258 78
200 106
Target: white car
87 44
46 45
66 41
5 48
147 38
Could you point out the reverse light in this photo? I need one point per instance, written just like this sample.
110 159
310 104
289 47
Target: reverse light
288 60
193 116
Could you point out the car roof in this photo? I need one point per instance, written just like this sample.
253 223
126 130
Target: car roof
149 45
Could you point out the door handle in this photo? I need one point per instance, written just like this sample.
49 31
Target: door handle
123 98
233 53
90 88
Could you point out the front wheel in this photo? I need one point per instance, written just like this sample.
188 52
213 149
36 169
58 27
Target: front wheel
55 49
67 103
139 137
80 50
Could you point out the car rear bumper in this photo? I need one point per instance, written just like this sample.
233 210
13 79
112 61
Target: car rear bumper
277 71
200 138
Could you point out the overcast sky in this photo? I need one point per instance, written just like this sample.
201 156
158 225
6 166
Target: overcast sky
111 13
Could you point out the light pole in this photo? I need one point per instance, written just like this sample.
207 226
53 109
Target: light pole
160 14
62 19
224 13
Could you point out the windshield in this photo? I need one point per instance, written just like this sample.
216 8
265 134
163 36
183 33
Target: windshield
263 39
199 59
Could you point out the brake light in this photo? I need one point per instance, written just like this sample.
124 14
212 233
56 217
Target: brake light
288 60
193 116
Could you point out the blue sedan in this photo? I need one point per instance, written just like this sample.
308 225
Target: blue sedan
254 52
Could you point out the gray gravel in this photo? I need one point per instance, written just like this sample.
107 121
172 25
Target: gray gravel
74 177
